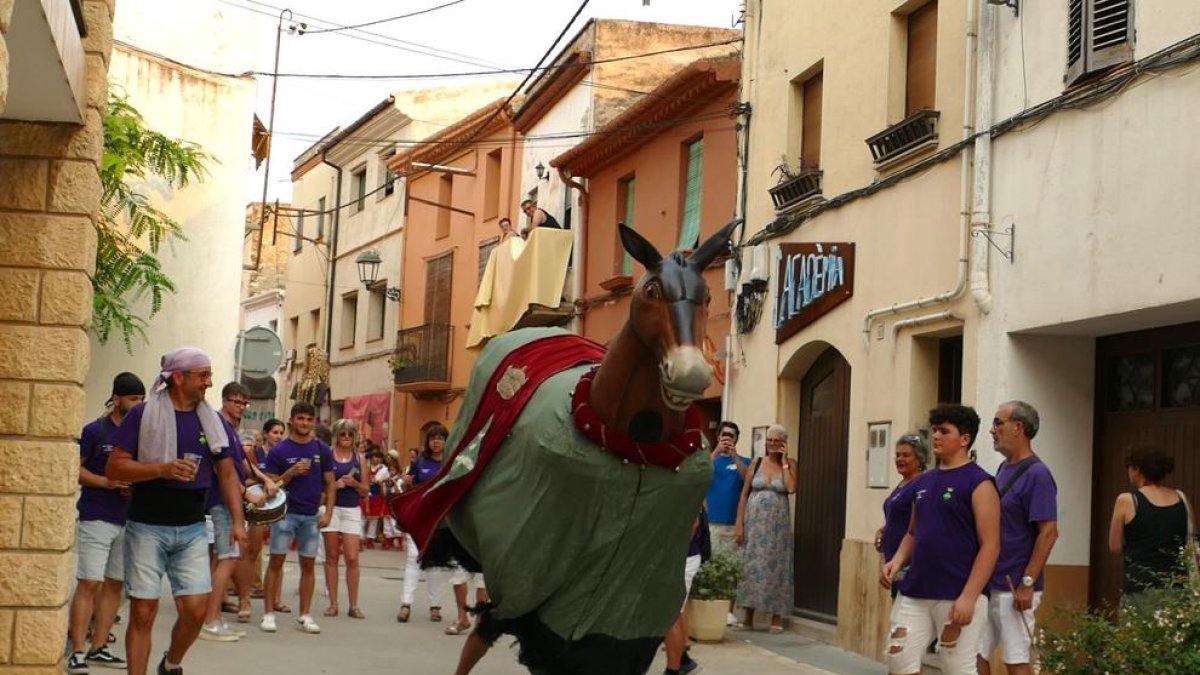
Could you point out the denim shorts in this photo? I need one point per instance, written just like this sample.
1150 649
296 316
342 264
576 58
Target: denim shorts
302 528
179 552
101 551
222 528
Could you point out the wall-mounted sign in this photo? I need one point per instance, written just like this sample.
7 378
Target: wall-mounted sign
812 279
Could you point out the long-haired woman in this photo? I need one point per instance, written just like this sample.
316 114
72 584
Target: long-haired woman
343 537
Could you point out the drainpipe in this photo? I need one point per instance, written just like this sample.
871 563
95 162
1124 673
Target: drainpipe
727 390
981 207
333 242
964 203
577 254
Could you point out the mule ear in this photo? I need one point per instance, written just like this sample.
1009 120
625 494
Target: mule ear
638 247
713 246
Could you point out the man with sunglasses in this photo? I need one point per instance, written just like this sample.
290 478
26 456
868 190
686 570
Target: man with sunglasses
1028 530
729 470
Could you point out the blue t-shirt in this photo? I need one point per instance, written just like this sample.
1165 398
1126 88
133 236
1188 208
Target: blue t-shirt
725 490
347 497
304 493
1032 499
103 504
424 468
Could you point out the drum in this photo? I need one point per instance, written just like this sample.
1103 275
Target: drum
273 510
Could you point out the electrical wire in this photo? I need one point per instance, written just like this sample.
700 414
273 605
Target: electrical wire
391 18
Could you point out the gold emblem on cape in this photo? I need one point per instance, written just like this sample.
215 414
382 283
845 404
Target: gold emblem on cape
511 382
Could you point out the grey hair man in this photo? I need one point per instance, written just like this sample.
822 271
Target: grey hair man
1028 530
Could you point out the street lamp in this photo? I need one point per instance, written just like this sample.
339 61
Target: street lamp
368 271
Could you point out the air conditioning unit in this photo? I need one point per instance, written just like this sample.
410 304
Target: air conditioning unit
760 263
731 275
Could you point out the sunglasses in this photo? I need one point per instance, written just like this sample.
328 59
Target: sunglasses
238 402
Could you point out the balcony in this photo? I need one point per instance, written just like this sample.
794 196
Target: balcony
914 134
421 362
793 190
523 285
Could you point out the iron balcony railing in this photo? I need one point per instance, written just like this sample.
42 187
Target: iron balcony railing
913 131
795 189
422 355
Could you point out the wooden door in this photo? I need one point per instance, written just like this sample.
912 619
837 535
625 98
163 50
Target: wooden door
821 489
1147 391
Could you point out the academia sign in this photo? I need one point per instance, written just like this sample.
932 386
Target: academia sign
812 280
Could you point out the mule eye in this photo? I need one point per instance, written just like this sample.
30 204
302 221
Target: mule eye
653 291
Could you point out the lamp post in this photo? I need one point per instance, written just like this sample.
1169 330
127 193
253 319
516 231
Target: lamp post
368 271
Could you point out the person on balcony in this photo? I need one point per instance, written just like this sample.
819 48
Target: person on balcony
538 217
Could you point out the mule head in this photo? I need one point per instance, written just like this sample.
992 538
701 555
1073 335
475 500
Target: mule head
669 312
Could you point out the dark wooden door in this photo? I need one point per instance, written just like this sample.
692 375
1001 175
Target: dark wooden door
821 489
1147 391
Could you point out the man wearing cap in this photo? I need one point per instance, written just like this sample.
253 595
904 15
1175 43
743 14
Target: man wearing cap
103 506
172 448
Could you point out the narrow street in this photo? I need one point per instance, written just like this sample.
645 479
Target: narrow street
379 645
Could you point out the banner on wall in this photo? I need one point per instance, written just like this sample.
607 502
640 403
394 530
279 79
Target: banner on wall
370 413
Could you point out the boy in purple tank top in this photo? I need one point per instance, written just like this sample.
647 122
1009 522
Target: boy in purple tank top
952 545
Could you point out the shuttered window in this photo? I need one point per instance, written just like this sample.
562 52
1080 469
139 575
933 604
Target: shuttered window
438 274
810 129
445 200
693 196
320 219
1099 35
921 71
485 252
626 198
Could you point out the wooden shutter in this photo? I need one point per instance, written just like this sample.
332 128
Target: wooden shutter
626 198
922 59
445 199
810 129
693 196
485 252
1110 33
438 274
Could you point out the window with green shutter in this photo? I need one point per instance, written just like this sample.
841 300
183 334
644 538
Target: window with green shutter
689 226
626 196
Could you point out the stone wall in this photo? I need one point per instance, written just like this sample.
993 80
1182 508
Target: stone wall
49 194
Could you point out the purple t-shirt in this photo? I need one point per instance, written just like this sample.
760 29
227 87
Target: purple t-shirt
304 493
1032 499
239 457
171 502
945 541
109 506
347 496
897 511
424 468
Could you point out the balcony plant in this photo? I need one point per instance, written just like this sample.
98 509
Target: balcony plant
713 591
399 363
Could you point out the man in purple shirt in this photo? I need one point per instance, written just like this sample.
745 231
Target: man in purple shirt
1028 530
952 543
172 448
303 464
103 507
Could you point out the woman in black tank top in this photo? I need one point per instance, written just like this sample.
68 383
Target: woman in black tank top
1150 528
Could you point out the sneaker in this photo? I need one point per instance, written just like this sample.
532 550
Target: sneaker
217 633
732 619
306 624
104 658
163 670
230 629
687 664
77 664
268 623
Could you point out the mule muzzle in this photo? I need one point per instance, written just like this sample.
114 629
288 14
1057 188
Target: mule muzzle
684 376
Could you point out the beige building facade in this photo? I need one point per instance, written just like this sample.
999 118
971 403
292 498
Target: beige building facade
50 146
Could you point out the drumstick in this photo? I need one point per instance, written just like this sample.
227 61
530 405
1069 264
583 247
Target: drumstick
1013 589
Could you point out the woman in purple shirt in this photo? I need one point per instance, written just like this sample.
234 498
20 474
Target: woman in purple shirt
343 536
912 458
423 468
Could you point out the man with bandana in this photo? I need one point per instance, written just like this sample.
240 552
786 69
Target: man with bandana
172 449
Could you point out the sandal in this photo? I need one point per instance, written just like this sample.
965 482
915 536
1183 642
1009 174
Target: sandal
435 614
331 611
356 613
282 608
458 628
243 615
402 615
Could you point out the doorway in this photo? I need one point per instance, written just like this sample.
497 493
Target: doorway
821 485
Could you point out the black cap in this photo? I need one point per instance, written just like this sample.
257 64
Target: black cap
128 384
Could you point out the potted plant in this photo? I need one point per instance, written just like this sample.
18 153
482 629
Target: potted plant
713 591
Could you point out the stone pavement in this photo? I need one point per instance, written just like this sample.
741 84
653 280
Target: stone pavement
379 645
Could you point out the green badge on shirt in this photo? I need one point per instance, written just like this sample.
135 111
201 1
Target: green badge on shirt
948 494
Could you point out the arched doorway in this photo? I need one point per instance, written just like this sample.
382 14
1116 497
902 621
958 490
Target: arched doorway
821 489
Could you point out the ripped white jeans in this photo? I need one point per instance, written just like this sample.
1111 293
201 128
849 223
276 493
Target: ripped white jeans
915 623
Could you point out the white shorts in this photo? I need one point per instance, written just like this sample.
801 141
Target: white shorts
1004 627
346 520
690 567
101 548
915 623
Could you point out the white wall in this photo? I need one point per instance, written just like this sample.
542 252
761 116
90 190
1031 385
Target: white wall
216 113
571 113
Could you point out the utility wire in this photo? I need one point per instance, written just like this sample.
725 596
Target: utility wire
379 21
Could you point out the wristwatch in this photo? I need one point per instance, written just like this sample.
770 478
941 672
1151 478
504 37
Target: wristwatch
1027 581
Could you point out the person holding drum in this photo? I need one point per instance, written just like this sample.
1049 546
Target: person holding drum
343 536
273 431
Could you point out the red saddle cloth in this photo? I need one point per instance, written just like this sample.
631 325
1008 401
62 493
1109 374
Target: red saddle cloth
420 511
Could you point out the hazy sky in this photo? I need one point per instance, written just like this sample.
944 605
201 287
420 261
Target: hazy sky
465 36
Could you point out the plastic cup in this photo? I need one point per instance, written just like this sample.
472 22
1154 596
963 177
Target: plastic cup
194 458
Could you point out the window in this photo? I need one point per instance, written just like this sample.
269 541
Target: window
298 243
491 188
626 198
314 327
349 319
810 125
293 336
358 183
921 70
693 196
485 251
376 310
389 177
438 275
950 369
1099 35
321 219
445 200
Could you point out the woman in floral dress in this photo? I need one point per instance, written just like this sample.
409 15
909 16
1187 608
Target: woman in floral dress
764 529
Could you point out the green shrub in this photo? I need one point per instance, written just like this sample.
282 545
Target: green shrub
718 577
